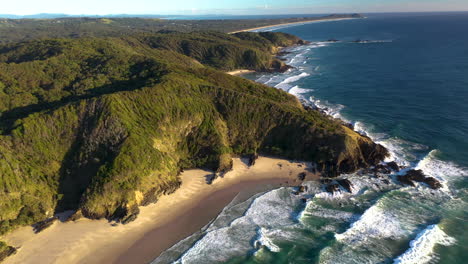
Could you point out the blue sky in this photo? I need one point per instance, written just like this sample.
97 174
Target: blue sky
238 7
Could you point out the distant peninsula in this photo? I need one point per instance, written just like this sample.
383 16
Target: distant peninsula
14 30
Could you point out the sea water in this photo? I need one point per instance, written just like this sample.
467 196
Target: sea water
405 84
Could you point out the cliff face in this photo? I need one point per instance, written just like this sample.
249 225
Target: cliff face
105 125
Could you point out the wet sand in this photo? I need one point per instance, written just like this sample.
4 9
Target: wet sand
158 226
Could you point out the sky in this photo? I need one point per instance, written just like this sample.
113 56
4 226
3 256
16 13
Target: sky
235 7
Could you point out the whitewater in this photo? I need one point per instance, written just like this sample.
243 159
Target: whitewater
379 221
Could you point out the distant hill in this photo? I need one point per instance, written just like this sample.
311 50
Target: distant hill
14 30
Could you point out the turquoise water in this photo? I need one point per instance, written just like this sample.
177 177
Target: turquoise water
406 87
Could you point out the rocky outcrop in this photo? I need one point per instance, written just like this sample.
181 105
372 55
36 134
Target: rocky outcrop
346 184
301 176
251 158
332 188
41 226
6 251
418 176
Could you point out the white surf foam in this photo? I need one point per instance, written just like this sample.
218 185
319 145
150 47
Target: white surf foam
421 248
269 212
442 170
297 91
286 83
313 209
374 223
264 240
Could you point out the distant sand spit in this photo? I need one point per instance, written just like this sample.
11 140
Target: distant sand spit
292 23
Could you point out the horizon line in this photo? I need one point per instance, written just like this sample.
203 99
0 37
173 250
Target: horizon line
214 14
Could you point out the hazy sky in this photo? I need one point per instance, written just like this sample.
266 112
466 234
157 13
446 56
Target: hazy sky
102 7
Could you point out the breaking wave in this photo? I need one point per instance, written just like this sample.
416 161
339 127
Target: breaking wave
421 249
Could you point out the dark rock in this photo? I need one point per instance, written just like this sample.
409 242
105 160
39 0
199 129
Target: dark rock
129 219
433 183
332 188
44 224
257 244
6 251
348 125
405 180
346 184
385 181
283 53
251 158
296 193
382 168
415 175
418 176
326 181
301 176
75 216
150 197
394 166
302 189
332 40
210 178
304 200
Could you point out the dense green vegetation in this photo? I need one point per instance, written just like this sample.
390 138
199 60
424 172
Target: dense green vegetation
14 30
103 125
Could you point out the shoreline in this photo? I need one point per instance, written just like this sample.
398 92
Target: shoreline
292 23
174 217
239 72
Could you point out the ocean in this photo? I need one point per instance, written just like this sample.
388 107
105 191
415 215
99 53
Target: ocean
404 84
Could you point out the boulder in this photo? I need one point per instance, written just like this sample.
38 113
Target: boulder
251 158
301 176
75 216
129 219
210 178
382 168
326 181
6 251
302 188
332 188
433 183
394 166
346 184
418 176
40 226
405 180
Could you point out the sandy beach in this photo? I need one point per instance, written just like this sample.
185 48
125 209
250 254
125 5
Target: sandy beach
239 72
159 225
292 23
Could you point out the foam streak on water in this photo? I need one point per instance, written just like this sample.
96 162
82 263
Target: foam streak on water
369 225
421 248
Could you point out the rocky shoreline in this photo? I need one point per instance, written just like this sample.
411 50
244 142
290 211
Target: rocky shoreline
378 170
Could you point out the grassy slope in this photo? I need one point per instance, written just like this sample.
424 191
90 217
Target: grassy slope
105 125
